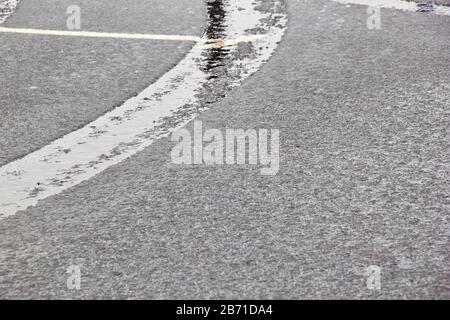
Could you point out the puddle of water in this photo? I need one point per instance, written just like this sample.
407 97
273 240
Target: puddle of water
203 77
217 23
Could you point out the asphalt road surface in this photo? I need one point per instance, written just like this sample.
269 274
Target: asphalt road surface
53 85
364 126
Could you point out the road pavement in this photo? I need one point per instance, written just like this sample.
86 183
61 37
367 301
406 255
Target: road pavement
363 181
52 86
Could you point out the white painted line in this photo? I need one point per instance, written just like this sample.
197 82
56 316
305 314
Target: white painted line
91 34
395 4
136 124
133 36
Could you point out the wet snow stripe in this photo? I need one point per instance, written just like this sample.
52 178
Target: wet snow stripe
7 8
141 120
395 4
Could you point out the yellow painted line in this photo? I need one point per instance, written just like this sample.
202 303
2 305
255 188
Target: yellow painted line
136 36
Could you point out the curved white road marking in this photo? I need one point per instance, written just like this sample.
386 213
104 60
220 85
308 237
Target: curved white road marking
136 124
395 4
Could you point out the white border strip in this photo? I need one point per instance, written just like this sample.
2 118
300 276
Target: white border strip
395 4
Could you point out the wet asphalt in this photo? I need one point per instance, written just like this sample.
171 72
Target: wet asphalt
364 177
51 86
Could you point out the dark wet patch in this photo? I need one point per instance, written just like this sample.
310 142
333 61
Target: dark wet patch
425 7
220 63
215 57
